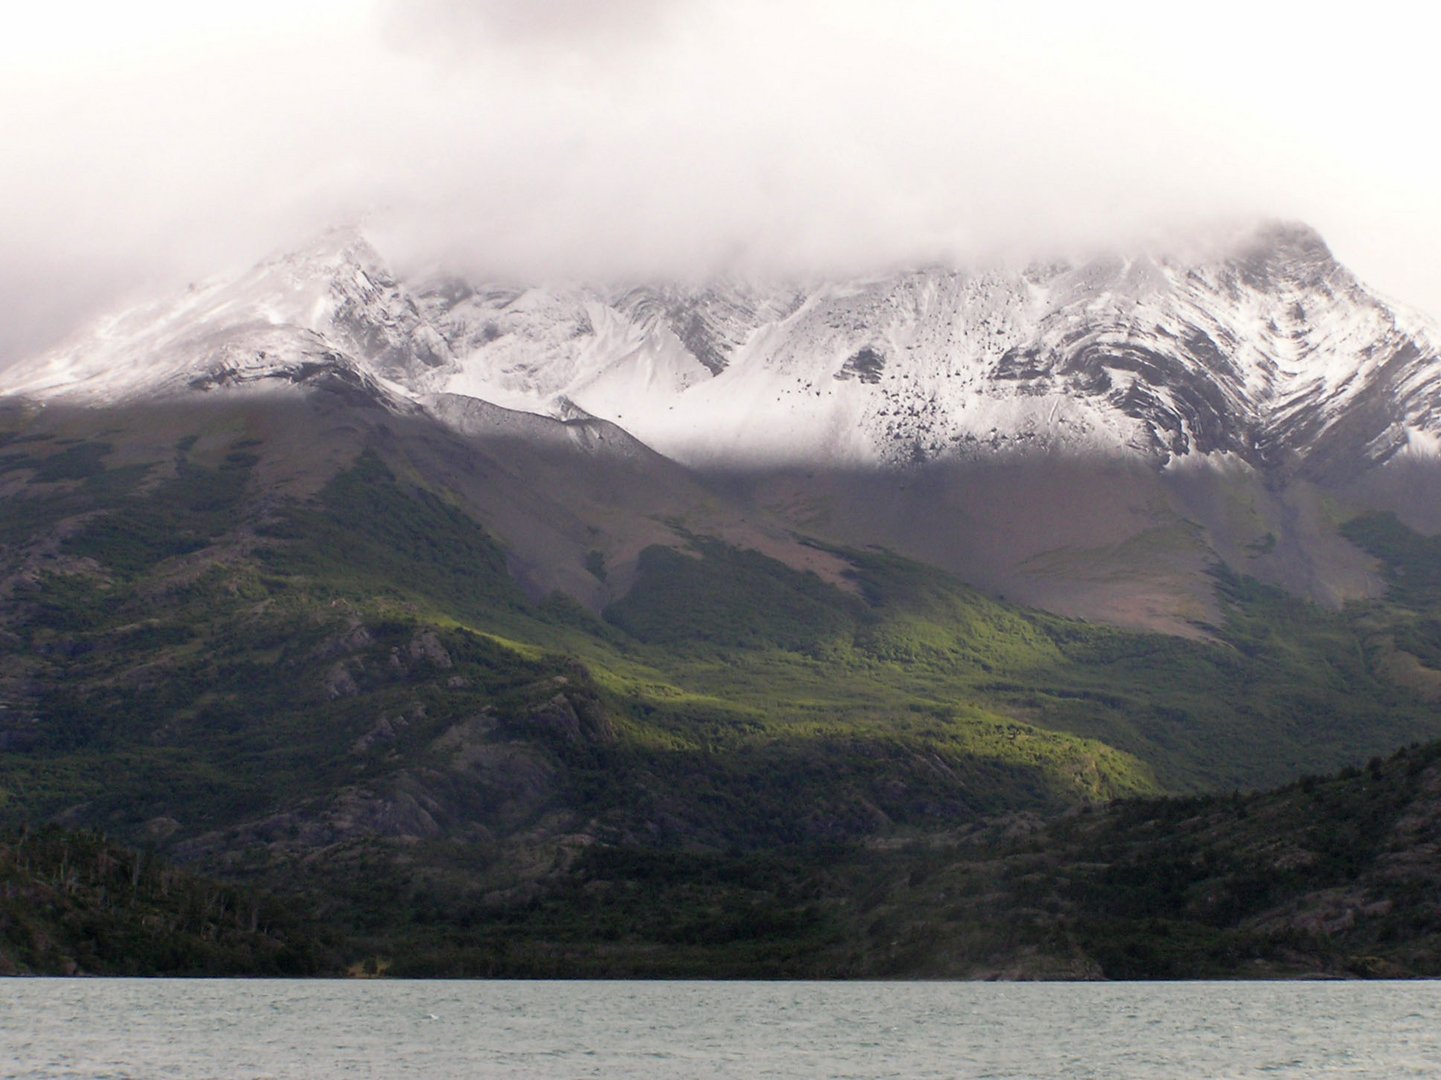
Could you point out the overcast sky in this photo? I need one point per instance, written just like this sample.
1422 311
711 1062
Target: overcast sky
147 143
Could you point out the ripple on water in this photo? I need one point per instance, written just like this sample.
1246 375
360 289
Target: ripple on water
259 1029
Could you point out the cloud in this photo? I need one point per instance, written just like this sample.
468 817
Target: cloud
816 135
519 138
454 28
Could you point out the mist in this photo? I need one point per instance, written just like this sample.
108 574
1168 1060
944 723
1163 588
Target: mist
150 144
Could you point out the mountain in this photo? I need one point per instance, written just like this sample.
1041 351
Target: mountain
1087 437
1258 351
428 603
1264 350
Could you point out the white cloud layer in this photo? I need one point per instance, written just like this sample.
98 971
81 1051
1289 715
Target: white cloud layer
150 142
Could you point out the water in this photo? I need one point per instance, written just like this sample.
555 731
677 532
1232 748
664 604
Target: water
120 1028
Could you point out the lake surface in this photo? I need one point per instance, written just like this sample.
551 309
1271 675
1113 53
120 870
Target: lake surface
319 1029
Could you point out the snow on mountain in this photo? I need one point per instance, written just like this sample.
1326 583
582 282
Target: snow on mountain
1266 351
330 310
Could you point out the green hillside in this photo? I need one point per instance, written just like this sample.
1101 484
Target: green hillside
327 680
1329 876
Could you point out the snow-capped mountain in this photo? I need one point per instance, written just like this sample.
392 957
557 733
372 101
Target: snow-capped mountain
1270 351
1092 437
328 311
1266 351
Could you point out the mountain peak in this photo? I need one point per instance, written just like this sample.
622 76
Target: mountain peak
1286 251
337 244
1290 236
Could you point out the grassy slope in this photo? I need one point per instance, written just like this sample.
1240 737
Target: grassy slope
1286 688
208 668
714 652
165 651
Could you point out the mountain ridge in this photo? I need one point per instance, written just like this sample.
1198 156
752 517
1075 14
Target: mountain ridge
1269 351
1242 388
